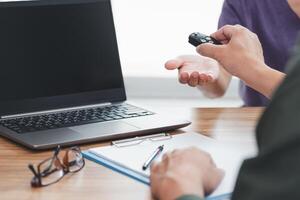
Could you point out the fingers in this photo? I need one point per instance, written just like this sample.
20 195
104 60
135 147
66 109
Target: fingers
226 32
211 51
154 167
184 77
209 78
204 79
162 167
174 64
195 79
193 70
224 35
158 171
174 164
154 179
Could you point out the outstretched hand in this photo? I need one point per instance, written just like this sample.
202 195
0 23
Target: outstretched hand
195 70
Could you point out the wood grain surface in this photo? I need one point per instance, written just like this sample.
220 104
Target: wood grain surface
97 182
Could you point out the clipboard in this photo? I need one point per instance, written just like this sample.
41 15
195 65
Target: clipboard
126 143
136 176
107 158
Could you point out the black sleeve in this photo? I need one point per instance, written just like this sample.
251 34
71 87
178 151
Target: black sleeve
275 173
189 197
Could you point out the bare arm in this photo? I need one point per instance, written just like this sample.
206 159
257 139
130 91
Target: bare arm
263 79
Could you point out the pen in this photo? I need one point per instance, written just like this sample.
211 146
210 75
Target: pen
153 156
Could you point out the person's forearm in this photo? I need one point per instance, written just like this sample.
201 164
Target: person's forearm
219 87
263 79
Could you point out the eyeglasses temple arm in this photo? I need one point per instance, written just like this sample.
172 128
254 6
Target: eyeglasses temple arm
30 166
57 150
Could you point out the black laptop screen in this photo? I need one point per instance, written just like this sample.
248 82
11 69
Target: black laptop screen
57 50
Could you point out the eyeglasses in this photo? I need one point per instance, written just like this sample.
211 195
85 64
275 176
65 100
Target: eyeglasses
53 169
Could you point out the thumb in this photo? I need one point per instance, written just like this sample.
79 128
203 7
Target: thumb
210 50
174 64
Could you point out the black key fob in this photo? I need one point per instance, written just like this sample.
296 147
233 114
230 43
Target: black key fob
198 38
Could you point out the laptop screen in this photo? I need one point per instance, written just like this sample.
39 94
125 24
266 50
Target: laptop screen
57 55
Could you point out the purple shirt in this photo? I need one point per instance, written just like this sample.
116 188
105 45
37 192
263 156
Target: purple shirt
276 25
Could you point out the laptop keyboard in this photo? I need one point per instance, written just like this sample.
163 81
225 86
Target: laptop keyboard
73 118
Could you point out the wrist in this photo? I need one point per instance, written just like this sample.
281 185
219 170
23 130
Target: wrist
252 70
263 78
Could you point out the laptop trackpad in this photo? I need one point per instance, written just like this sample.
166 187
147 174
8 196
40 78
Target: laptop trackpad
104 128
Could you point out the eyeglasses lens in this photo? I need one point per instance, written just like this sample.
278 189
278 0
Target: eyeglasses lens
51 171
76 161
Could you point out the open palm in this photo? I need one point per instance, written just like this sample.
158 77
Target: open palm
195 70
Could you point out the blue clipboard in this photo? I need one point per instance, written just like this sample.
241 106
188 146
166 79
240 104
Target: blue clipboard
134 175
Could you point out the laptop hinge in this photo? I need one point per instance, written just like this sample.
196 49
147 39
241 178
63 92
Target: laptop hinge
55 111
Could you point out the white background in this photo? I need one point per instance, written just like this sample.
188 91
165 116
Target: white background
152 31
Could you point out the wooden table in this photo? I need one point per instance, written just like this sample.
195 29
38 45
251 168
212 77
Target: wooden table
97 182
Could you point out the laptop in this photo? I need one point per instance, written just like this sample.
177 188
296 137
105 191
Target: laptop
61 81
